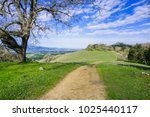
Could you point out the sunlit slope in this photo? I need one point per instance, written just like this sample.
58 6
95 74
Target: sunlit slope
85 56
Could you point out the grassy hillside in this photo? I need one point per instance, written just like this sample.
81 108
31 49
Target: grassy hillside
26 81
36 56
86 56
125 82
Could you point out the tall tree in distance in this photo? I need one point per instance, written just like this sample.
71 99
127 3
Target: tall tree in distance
19 19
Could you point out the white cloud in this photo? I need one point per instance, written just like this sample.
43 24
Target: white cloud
107 8
44 17
140 13
120 32
135 4
79 10
146 24
76 29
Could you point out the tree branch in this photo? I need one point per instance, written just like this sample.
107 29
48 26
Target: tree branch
12 23
3 4
9 41
16 4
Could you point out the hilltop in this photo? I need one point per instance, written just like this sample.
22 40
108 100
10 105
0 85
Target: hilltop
96 53
120 48
83 56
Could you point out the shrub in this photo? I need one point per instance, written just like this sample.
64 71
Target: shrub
147 56
139 54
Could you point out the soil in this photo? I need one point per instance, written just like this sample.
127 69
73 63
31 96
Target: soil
83 83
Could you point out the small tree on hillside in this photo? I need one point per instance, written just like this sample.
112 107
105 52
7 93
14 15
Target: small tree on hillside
136 54
140 54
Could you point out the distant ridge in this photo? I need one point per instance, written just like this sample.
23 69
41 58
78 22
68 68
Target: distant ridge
40 49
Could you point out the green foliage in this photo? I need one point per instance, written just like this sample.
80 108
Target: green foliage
26 81
147 56
119 44
120 48
139 54
100 47
124 82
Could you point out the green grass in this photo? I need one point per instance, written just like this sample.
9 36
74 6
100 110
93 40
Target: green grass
124 82
26 81
85 56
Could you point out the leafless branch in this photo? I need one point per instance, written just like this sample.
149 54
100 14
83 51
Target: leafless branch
12 23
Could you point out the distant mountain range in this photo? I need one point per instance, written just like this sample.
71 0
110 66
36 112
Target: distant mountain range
40 49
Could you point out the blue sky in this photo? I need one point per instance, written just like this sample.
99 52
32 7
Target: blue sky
126 21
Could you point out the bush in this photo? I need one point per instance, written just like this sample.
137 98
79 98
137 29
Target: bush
147 56
139 54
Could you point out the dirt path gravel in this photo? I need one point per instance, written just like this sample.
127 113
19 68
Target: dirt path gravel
81 84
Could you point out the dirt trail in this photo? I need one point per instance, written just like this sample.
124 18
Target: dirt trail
81 84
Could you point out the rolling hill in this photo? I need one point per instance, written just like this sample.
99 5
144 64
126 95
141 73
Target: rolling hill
85 56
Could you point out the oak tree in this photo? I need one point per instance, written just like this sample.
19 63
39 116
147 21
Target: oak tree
19 19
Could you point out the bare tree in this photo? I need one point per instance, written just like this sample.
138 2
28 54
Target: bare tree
19 18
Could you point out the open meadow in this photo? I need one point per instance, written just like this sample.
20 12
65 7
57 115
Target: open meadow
30 80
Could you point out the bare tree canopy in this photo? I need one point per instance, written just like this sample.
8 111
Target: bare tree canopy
19 19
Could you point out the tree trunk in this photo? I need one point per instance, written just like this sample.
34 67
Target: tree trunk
22 52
